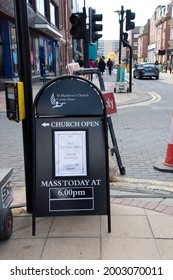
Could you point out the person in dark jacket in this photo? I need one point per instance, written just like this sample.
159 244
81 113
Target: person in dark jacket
80 61
109 65
101 65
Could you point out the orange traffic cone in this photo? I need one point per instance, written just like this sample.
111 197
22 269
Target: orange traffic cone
169 153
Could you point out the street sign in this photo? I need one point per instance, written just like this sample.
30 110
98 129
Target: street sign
111 107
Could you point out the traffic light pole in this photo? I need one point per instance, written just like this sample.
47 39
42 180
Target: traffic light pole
121 32
129 25
130 64
85 40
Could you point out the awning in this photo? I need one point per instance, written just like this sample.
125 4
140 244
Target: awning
49 30
43 25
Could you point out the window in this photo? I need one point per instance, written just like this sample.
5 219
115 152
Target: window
171 33
14 49
135 35
41 7
135 44
1 59
52 13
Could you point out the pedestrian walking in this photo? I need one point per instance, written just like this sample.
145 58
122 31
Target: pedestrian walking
101 65
91 64
109 65
80 61
170 68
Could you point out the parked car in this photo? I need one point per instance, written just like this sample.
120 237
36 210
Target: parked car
146 70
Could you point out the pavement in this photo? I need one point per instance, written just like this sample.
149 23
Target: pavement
141 217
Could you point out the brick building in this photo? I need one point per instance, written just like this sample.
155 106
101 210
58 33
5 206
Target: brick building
133 41
143 42
154 38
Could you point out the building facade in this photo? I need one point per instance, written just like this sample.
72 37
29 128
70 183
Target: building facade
77 44
133 35
143 42
154 37
170 50
49 38
107 46
162 29
153 41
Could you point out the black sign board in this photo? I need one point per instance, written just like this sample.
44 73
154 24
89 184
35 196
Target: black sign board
71 150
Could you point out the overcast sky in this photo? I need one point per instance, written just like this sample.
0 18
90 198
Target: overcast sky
143 9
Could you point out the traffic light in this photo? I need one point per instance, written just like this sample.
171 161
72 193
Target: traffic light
93 26
129 20
78 23
125 39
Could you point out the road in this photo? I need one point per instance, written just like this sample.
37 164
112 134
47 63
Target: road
142 130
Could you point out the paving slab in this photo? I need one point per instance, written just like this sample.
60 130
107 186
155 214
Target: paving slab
72 249
131 226
75 226
161 225
136 234
22 249
165 247
129 249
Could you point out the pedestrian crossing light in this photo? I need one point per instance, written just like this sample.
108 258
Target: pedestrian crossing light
78 23
94 27
130 24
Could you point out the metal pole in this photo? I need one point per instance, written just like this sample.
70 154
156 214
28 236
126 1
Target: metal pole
121 31
22 32
130 70
85 40
130 64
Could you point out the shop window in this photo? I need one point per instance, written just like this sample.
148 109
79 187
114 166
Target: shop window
1 59
14 50
34 54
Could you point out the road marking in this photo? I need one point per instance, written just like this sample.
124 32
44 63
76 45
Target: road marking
155 97
142 184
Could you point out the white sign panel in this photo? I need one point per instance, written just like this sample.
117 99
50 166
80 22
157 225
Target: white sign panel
70 153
